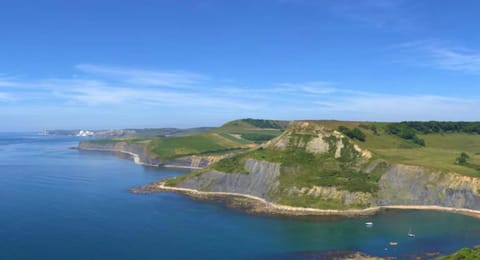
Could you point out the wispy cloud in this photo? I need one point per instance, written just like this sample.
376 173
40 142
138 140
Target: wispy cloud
102 85
386 14
145 77
314 87
459 60
6 97
375 106
6 83
293 100
442 56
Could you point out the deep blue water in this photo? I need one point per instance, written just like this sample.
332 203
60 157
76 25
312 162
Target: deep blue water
59 203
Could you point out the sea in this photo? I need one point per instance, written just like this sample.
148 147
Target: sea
60 203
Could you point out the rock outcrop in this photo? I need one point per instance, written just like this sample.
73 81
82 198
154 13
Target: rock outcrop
261 181
415 185
315 138
333 194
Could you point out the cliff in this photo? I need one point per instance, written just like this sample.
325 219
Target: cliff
414 185
315 166
262 180
140 155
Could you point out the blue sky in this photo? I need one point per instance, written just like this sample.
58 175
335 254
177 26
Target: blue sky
118 64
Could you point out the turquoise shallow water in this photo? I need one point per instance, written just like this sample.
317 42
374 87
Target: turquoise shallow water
59 203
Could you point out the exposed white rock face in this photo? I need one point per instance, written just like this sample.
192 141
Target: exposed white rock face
321 139
317 145
85 133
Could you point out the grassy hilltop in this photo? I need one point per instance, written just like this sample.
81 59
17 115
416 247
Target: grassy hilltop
353 156
233 136
437 149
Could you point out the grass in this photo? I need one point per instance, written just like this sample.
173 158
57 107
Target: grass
172 182
235 138
227 138
303 169
235 135
464 253
234 164
116 140
171 147
440 152
249 123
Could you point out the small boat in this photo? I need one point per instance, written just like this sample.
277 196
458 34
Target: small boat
393 243
410 234
368 224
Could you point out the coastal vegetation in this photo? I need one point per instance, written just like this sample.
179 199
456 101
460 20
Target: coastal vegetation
354 133
464 253
320 163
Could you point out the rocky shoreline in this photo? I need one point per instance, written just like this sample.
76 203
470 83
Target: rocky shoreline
138 154
402 187
257 205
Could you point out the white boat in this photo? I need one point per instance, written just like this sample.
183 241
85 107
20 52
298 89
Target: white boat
410 234
368 224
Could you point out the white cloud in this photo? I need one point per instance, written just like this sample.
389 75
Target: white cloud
459 60
6 81
403 107
152 97
314 99
314 87
4 97
144 77
440 55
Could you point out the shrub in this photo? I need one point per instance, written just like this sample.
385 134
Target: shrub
463 158
354 133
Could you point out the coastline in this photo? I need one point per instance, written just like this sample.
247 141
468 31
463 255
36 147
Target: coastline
136 159
253 204
257 205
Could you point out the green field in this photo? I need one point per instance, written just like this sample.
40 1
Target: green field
231 137
439 153
465 253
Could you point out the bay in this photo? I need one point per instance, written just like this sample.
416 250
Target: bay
60 203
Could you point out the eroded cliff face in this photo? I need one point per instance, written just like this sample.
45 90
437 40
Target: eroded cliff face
400 185
140 155
261 181
333 194
315 138
414 185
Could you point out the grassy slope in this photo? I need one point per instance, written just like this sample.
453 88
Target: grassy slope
440 152
465 253
302 169
226 138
